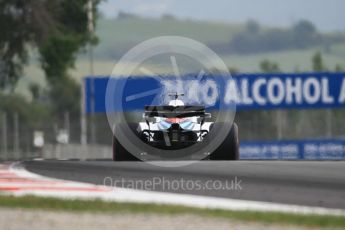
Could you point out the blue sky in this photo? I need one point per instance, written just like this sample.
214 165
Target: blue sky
327 15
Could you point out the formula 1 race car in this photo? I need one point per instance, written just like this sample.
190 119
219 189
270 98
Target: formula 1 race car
177 126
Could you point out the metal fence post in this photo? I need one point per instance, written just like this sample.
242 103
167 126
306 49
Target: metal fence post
67 124
16 136
4 136
83 122
279 120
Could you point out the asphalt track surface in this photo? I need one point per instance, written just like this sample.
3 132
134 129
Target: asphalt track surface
320 184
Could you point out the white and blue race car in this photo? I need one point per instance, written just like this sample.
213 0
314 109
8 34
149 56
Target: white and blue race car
177 126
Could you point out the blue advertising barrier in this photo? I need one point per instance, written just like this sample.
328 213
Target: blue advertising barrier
293 150
247 91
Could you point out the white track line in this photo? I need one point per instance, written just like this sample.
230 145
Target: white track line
138 196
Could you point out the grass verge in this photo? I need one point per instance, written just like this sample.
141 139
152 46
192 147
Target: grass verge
32 202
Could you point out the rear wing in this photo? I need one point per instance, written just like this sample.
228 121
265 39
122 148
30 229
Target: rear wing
175 111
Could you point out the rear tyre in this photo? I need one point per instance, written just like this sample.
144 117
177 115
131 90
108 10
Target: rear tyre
229 149
119 152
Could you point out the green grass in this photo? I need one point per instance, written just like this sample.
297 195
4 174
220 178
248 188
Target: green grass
112 31
338 50
289 60
31 202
